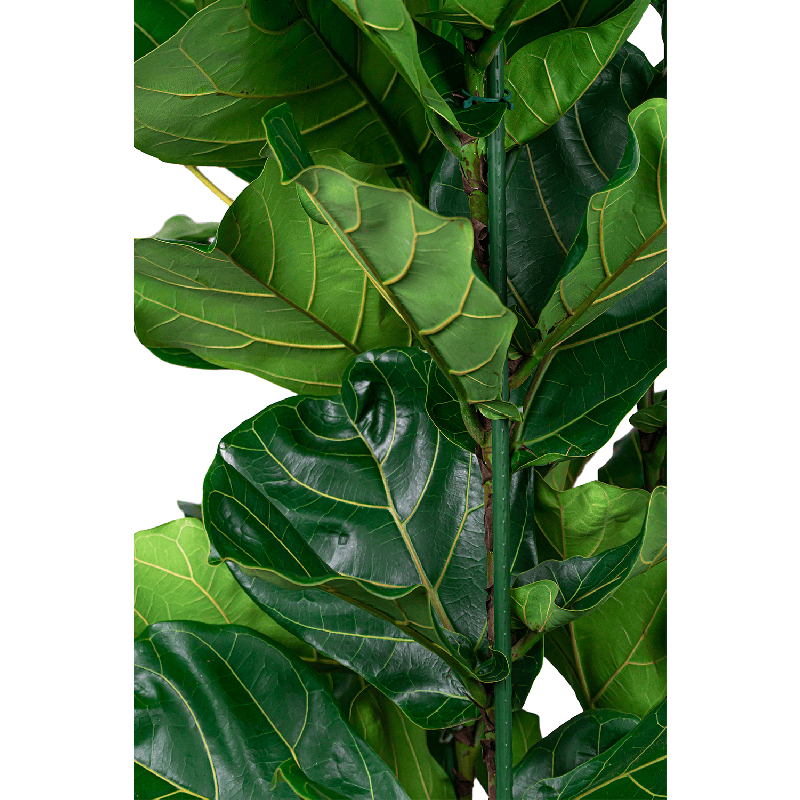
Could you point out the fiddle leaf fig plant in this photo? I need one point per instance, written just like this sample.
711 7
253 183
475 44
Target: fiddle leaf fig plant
452 249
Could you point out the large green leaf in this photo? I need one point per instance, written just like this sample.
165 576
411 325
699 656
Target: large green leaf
420 262
623 237
554 177
389 26
415 678
277 296
155 21
401 744
364 498
559 591
174 581
485 13
598 755
614 657
548 75
200 97
590 383
560 16
220 707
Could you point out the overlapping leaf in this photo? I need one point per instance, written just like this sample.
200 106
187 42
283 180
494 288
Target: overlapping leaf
485 13
220 708
416 679
613 360
277 296
557 592
174 581
200 97
598 754
560 16
548 75
401 744
413 677
614 657
155 21
363 498
623 238
554 177
181 228
420 262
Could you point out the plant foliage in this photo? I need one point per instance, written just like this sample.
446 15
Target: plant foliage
321 625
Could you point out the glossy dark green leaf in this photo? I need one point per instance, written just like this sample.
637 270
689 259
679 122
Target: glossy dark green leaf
362 496
174 581
613 360
559 591
193 510
615 656
181 228
599 755
277 296
415 678
201 96
182 358
401 744
420 262
220 708
553 179
155 21
548 75
622 240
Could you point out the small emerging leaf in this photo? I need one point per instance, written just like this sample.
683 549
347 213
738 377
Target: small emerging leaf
500 409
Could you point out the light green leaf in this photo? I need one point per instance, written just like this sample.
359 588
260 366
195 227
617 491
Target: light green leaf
421 264
558 592
500 409
155 21
614 657
485 13
200 97
401 744
598 755
389 26
547 76
622 241
220 707
174 581
277 296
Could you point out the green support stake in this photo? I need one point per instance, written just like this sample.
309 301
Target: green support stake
496 158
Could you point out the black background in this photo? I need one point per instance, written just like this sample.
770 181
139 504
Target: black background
182 414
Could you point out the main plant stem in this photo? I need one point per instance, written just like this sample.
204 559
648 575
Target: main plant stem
484 181
501 473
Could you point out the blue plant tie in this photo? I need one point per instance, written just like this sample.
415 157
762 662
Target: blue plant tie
471 98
